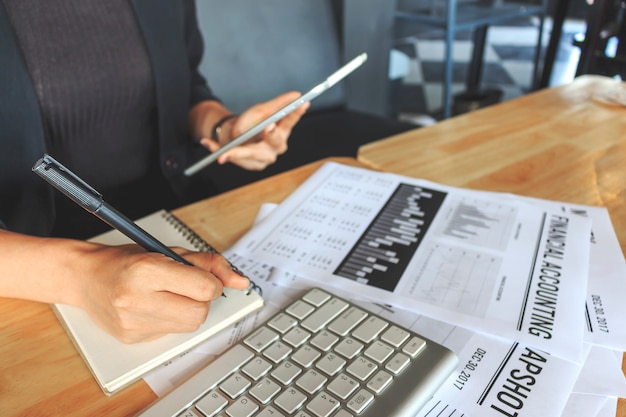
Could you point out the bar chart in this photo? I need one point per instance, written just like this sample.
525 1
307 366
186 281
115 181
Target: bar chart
383 251
479 222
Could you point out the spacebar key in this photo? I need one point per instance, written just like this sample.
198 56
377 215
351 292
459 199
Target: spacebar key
192 389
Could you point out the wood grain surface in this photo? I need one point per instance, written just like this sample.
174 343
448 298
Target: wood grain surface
560 144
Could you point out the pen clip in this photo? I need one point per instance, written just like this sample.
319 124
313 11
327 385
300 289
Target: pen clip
53 163
68 183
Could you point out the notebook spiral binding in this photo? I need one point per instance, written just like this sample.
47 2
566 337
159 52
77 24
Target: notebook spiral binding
203 246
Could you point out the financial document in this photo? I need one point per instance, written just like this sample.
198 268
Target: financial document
494 376
604 308
493 265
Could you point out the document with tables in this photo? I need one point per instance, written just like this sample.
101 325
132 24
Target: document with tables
496 376
494 265
284 240
560 143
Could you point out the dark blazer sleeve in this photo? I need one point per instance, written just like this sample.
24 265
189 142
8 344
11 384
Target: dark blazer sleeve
25 201
175 45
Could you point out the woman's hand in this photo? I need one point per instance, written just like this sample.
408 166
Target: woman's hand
263 149
141 296
133 294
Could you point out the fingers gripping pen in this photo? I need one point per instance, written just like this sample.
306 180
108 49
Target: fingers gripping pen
91 200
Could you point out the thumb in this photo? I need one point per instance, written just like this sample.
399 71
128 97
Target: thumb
210 144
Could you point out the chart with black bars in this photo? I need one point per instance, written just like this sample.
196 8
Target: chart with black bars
382 253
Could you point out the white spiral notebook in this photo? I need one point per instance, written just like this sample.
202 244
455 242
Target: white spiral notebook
114 364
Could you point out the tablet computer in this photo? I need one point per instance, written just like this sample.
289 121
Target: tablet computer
331 80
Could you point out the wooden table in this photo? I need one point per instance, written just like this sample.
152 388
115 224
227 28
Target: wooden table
559 144
41 374
527 146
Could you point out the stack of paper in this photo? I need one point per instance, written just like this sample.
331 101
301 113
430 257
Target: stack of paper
526 292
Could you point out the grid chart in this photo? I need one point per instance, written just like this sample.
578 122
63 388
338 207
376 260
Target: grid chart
456 277
383 252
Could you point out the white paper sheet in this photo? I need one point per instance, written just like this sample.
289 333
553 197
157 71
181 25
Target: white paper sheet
602 374
495 377
583 405
605 308
561 388
486 368
609 408
490 264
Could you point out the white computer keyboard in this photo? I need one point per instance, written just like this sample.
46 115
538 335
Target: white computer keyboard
320 356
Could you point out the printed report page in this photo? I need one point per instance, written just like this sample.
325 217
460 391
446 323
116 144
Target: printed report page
500 266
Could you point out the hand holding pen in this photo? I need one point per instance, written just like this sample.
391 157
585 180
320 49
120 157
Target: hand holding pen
133 294
139 296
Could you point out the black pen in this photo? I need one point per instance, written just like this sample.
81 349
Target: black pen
91 200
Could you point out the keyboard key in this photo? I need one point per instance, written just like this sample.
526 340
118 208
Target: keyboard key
330 364
265 390
323 405
261 339
290 400
324 340
347 321
322 316
311 382
190 413
414 346
305 356
349 348
296 336
370 329
282 322
212 403
235 385
269 411
256 368
360 401
379 382
243 407
398 363
342 386
316 297
277 351
286 372
395 336
362 368
378 351
232 359
300 309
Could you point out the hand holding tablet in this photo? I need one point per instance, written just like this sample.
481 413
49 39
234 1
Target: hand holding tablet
330 81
